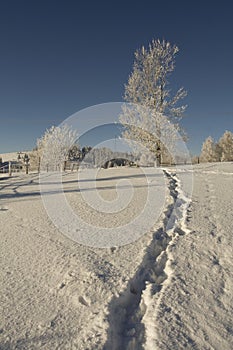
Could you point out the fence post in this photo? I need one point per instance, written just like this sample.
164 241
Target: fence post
64 165
10 172
39 165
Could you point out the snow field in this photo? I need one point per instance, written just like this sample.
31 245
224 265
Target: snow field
170 289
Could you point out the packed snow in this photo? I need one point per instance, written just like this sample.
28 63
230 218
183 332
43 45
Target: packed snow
169 289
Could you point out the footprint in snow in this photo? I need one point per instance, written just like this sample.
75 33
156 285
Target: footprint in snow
83 301
3 208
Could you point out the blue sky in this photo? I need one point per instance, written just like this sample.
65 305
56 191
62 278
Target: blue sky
58 57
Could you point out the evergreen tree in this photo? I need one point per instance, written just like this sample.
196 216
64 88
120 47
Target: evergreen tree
226 145
208 151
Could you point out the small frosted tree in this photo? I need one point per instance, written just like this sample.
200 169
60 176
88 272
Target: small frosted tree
148 86
54 147
74 153
209 151
226 145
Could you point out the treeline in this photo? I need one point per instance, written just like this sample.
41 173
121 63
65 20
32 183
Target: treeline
97 157
76 155
220 151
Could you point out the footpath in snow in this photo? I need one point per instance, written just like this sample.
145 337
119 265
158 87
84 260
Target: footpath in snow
131 315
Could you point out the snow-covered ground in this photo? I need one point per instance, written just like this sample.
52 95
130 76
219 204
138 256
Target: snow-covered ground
170 289
6 157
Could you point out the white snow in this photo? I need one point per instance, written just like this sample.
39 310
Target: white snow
6 157
170 289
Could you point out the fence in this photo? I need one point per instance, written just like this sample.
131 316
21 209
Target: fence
11 167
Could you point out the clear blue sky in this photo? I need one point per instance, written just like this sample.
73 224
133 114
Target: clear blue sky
57 57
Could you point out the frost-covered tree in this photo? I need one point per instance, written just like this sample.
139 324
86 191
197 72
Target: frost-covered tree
226 145
35 160
218 152
148 86
209 151
195 160
98 156
54 146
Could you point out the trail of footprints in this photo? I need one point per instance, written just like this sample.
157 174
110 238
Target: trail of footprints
3 208
212 218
